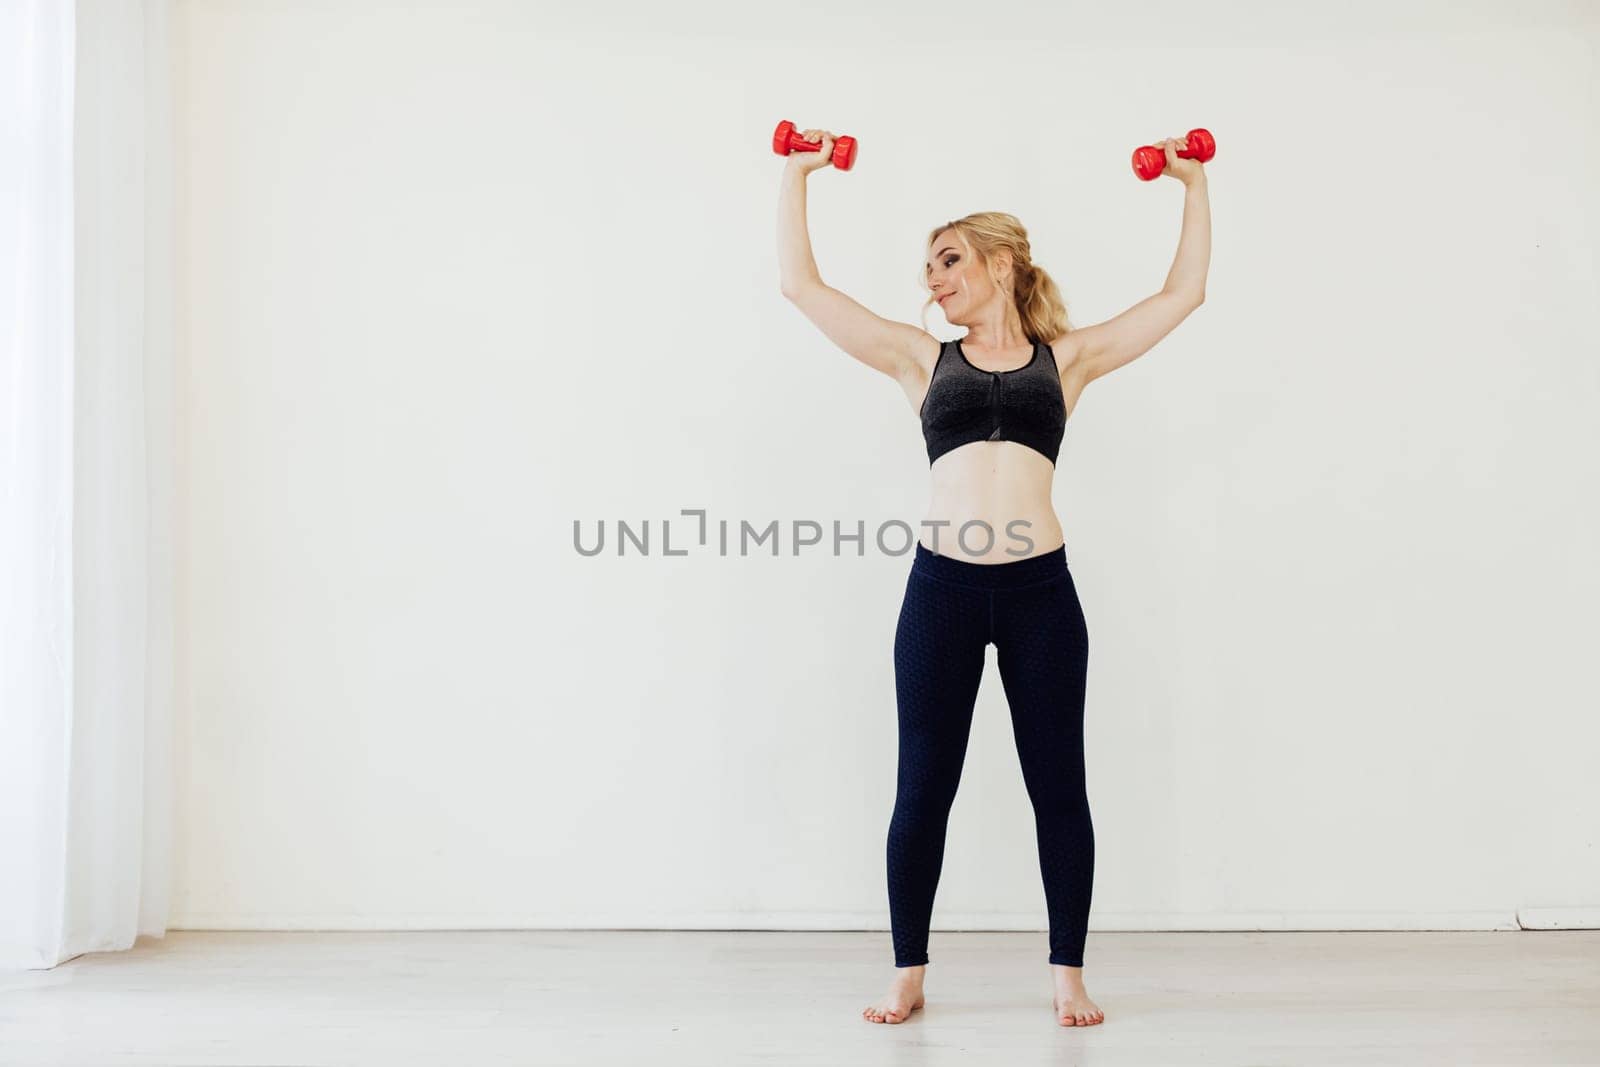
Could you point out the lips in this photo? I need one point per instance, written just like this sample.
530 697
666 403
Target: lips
945 297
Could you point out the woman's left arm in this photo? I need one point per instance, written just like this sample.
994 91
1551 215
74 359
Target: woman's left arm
1105 346
1189 266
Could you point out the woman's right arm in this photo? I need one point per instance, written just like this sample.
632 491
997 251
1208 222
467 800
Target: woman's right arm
880 343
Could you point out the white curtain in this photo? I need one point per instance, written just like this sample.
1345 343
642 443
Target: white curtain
85 477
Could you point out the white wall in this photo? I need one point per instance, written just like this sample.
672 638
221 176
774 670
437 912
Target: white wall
456 275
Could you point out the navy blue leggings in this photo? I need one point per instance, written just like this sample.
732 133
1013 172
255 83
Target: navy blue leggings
953 609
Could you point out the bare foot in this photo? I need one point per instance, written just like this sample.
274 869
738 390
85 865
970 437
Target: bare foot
903 998
1072 1004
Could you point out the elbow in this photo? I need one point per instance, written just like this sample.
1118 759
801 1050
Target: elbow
793 289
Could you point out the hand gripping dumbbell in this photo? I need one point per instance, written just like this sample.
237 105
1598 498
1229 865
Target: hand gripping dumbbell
1149 160
786 139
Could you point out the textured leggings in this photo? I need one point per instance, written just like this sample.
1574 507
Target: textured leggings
953 609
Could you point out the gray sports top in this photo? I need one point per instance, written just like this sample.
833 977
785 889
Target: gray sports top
965 404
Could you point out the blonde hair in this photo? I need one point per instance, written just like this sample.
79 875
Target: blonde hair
984 234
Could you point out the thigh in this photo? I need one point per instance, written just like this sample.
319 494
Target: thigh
1043 655
939 645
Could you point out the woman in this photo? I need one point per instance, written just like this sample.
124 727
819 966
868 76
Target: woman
990 565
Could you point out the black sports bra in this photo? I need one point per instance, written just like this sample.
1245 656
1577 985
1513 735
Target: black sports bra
965 404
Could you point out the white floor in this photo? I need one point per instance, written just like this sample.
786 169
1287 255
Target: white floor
759 998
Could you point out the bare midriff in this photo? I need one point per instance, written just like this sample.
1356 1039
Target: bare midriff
991 504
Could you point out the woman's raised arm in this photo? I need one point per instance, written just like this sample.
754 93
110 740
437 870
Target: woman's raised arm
880 343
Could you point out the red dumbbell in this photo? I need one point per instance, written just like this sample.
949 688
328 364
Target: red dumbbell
786 139
1149 161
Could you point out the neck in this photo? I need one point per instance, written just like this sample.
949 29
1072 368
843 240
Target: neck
996 331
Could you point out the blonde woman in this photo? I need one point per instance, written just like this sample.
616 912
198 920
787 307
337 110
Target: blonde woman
990 563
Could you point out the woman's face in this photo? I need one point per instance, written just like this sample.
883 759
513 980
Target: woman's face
959 284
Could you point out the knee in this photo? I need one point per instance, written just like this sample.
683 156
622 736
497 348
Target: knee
1063 803
922 806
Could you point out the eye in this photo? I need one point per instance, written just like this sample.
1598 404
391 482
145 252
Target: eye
950 259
